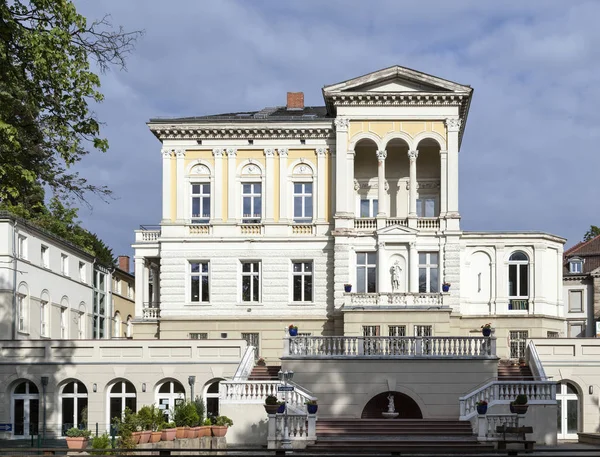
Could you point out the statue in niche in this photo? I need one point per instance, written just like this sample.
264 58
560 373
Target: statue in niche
391 408
395 272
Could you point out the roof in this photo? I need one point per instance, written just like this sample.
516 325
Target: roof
588 251
268 114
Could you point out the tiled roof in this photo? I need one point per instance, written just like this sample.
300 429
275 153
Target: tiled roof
589 251
269 114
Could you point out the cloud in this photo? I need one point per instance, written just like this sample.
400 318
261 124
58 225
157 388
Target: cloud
528 159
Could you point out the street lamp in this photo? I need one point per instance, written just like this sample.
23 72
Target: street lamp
44 385
286 376
191 382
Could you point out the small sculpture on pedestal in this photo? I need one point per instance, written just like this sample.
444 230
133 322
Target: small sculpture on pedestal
395 272
391 412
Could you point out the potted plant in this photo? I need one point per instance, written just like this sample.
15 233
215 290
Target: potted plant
168 432
126 427
293 330
220 426
519 405
261 362
311 406
271 404
77 438
280 407
482 406
205 429
446 287
152 420
185 415
101 445
347 288
486 329
199 405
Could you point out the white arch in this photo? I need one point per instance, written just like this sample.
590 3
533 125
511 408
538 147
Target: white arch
364 136
397 135
245 163
528 251
439 139
188 170
308 163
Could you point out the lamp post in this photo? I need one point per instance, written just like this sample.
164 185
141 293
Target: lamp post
286 376
44 385
191 382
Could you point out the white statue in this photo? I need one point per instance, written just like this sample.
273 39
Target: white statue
391 408
395 271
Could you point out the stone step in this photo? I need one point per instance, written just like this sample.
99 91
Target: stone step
264 373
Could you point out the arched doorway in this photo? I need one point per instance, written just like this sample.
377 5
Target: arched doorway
211 397
25 409
73 405
122 394
405 406
168 396
567 418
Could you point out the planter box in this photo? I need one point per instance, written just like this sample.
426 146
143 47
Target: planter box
219 430
78 442
145 436
155 437
168 434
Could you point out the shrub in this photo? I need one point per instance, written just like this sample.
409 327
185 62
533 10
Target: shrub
271 400
101 443
186 415
170 425
223 421
75 432
199 404
520 400
151 418
207 421
310 402
125 427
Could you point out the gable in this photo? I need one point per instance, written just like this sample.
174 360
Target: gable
398 85
396 230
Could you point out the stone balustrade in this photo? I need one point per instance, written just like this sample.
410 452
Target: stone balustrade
147 236
302 430
425 300
390 346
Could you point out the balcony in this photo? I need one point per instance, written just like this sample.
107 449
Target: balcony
369 224
147 234
406 300
518 304
151 311
451 347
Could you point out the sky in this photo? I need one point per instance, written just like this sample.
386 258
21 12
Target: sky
529 158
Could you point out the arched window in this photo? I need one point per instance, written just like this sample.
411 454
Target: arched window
118 324
25 409
169 395
567 401
518 281
211 396
73 405
81 321
23 308
129 327
121 395
303 192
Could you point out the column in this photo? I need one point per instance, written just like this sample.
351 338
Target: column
321 191
269 192
351 191
283 185
217 181
453 127
443 183
180 153
413 258
382 270
381 156
412 204
139 286
231 184
155 287
341 166
146 284
166 185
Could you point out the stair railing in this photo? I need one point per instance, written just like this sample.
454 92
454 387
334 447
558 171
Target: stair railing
532 359
246 364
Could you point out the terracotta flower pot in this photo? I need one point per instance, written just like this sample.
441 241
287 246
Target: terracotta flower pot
155 437
136 436
78 442
145 436
271 409
180 433
168 434
219 430
204 431
190 432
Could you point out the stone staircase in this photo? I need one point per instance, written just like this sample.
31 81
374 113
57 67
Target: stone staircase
397 435
509 372
264 373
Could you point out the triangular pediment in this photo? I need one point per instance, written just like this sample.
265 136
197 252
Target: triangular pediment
396 79
394 230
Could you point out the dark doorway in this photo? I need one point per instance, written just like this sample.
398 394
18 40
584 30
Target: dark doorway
405 406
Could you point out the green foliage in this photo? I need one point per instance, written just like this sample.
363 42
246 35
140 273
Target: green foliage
199 404
151 418
207 421
310 402
185 415
78 433
46 88
223 421
101 443
520 400
271 400
593 232
170 425
125 427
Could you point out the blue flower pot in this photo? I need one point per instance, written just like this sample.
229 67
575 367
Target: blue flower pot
486 331
482 409
281 409
312 409
347 288
445 288
293 332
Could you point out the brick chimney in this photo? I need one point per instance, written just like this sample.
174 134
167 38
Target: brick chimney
124 263
295 100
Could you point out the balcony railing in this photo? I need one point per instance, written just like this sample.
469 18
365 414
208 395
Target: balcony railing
395 299
147 233
151 311
368 224
428 223
453 347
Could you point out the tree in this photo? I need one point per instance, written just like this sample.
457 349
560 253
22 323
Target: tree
591 233
46 87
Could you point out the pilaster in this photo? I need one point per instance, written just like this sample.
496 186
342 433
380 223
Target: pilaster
341 167
381 156
412 190
283 187
231 184
139 286
180 154
382 268
443 183
217 200
413 259
321 191
269 193
453 129
341 270
451 263
166 185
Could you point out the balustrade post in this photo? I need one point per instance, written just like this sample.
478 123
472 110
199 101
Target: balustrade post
482 427
286 345
361 346
495 392
272 432
463 408
553 391
493 346
419 345
312 427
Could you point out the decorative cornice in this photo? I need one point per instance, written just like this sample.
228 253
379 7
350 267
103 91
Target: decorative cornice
413 154
428 185
453 124
381 155
321 152
180 153
217 152
269 152
166 153
216 132
283 152
231 152
341 124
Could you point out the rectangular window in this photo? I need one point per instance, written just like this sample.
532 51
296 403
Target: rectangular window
517 343
64 264
427 207
199 282
398 347
129 291
81 326
251 281
550 334
63 323
200 203
575 266
251 202
198 336
43 318
423 330
366 272
428 272
21 311
82 271
369 207
576 329
303 202
302 279
253 340
99 306
397 330
518 281
371 345
575 301
118 286
45 256
22 247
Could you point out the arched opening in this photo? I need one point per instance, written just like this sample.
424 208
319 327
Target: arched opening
518 281
25 409
366 200
397 169
121 395
169 395
405 406
73 405
567 418
428 178
118 324
211 397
